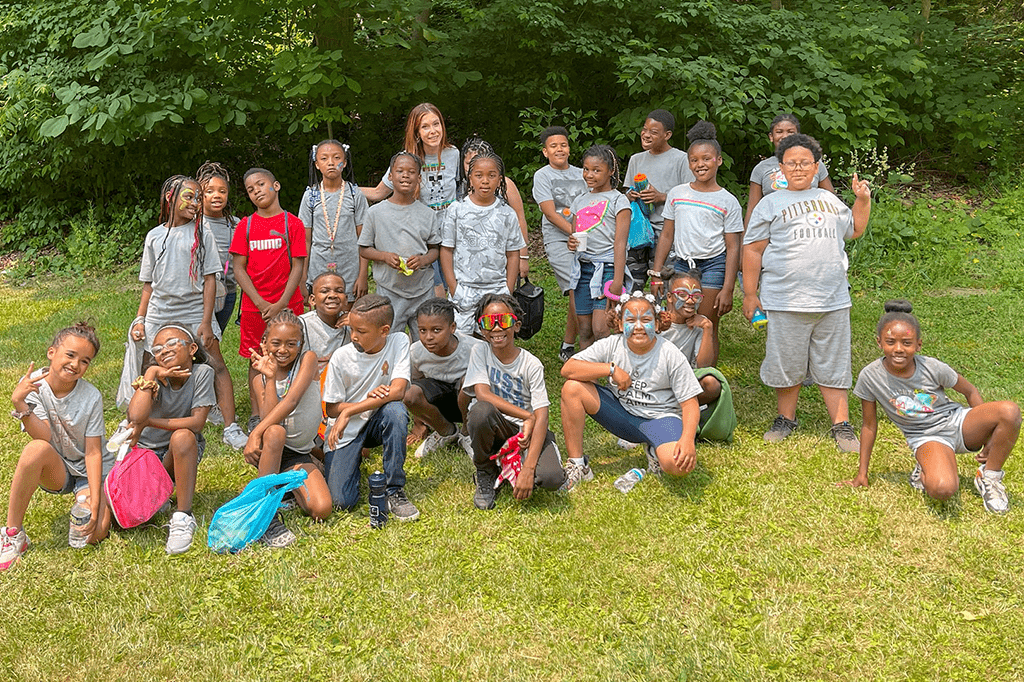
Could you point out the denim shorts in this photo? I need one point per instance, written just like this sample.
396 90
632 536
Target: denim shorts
585 304
712 270
72 483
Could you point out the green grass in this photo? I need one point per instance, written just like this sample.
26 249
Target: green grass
754 567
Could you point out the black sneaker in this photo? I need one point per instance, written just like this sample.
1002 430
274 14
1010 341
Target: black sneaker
401 507
254 421
781 429
485 493
845 437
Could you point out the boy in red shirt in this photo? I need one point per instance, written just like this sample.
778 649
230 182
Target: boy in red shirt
268 253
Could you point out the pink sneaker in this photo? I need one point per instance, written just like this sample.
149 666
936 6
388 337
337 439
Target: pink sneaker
13 543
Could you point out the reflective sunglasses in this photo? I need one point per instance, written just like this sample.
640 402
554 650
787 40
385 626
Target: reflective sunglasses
171 343
497 321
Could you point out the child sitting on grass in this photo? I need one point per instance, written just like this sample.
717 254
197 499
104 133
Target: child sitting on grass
511 399
439 361
911 389
63 414
366 382
794 247
651 396
171 403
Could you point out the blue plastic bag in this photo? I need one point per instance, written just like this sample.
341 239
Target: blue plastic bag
640 231
246 518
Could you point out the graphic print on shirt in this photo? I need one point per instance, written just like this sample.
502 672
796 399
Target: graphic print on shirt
591 216
921 402
507 387
433 174
564 191
778 179
720 211
637 393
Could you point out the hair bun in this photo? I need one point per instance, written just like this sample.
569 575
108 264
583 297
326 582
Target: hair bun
898 305
702 130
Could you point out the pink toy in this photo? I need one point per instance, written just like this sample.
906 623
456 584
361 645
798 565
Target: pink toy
608 291
510 459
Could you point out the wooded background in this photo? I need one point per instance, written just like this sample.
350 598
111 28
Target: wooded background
101 100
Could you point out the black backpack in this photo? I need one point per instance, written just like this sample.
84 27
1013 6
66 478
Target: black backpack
531 299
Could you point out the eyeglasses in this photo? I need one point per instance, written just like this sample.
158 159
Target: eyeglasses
497 321
695 295
170 344
803 165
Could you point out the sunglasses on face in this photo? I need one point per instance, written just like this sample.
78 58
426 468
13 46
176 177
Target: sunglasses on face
170 344
497 321
684 294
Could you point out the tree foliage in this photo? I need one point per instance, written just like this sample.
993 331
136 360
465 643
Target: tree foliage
102 99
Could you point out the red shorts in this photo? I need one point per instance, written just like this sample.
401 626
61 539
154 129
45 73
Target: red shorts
252 328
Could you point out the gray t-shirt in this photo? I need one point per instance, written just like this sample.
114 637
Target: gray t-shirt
561 187
407 231
702 220
320 208
803 266
595 213
769 175
918 406
451 368
302 423
170 403
437 179
72 419
223 229
686 338
351 375
481 236
165 264
664 171
321 338
662 378
521 382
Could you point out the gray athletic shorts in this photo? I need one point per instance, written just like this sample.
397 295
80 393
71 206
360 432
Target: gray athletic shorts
801 345
951 435
405 307
559 256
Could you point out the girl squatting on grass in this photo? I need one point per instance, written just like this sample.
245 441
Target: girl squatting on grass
911 389
63 414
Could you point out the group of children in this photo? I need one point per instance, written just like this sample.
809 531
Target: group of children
326 384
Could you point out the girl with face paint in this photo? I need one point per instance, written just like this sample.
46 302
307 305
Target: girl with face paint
636 385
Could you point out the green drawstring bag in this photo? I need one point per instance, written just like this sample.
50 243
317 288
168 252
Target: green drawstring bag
717 420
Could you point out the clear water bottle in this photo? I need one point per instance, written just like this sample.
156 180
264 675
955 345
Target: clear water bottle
378 500
80 515
628 480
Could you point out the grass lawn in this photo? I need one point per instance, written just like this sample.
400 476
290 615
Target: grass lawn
754 567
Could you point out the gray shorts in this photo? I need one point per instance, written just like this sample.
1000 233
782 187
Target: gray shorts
559 256
405 306
802 345
465 300
951 435
153 327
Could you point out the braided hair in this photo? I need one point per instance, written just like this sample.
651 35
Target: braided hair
437 307
286 316
606 154
502 185
210 170
475 146
376 308
506 300
169 194
347 172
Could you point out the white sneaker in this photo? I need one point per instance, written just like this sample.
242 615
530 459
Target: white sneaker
653 464
466 443
626 445
183 526
915 479
12 545
989 485
215 416
435 442
576 474
235 436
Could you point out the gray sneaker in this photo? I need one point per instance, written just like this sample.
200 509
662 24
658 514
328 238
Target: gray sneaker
781 429
845 437
183 527
466 443
576 474
278 535
234 436
401 507
485 493
993 492
434 442
254 421
653 465
915 479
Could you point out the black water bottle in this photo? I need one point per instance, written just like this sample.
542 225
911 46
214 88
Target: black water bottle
378 500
